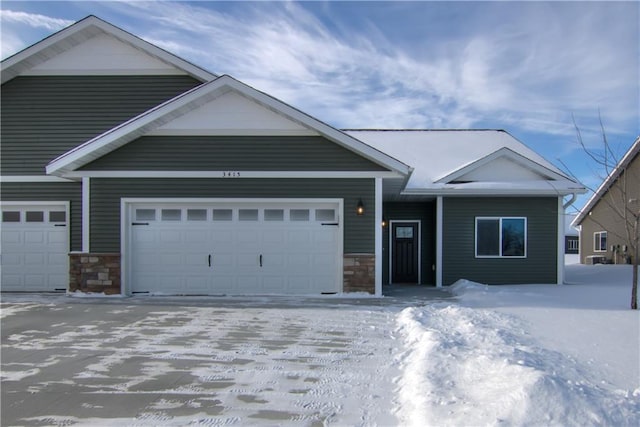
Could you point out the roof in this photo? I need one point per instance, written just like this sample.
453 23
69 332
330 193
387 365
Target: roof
80 32
445 161
192 100
631 154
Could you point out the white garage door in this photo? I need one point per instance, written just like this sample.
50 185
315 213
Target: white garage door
35 247
236 248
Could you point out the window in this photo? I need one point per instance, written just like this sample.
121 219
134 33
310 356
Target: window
145 214
501 237
222 214
299 214
248 214
274 214
196 214
572 244
171 215
10 216
35 216
325 215
600 241
57 216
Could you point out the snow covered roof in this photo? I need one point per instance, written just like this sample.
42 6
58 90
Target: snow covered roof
469 161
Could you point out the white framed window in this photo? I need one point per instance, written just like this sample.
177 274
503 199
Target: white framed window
501 237
600 241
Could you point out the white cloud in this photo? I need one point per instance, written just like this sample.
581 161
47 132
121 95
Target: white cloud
34 20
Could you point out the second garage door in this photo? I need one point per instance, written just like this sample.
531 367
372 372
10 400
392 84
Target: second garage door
236 248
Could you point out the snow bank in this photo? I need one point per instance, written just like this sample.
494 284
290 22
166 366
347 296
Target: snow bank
464 366
524 354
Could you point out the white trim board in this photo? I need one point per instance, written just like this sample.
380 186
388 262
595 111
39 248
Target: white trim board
232 174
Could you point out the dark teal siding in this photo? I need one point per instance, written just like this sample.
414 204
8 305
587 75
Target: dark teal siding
45 192
459 261
106 194
239 153
425 213
45 116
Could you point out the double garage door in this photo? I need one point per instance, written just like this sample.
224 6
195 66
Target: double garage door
235 248
35 247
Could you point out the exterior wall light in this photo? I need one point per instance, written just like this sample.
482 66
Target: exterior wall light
360 208
384 222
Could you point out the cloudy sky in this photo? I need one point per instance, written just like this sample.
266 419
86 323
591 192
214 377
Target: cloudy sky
526 67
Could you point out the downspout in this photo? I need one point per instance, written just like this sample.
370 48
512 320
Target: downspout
573 198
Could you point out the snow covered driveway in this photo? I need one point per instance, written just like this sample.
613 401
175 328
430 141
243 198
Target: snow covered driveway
96 363
527 355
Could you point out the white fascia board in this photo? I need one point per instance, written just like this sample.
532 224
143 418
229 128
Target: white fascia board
507 153
152 119
491 192
45 49
232 174
608 181
34 178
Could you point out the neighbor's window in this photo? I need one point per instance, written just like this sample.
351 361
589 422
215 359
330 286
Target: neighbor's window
501 237
600 241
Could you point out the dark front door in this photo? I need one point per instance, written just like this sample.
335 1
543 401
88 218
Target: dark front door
404 257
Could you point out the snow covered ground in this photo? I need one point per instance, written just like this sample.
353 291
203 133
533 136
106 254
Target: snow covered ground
525 355
500 355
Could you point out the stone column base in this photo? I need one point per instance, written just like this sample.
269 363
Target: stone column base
94 272
359 273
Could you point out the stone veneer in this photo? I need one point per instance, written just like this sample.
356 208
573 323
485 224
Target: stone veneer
94 272
360 273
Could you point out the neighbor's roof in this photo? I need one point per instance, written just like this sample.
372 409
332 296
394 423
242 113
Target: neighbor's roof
82 31
631 154
440 156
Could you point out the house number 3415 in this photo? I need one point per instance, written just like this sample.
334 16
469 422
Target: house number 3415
231 174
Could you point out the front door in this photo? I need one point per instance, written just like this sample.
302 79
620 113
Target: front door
405 248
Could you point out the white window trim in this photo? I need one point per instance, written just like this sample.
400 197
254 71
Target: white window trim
500 219
596 233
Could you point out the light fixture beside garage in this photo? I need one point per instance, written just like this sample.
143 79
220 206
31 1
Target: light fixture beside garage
360 208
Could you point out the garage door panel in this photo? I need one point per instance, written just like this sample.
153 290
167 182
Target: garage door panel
34 237
10 236
237 248
34 280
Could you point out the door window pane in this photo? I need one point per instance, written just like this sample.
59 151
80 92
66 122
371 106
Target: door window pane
299 214
35 216
11 216
171 214
145 214
196 214
274 214
222 214
325 215
404 232
248 214
57 216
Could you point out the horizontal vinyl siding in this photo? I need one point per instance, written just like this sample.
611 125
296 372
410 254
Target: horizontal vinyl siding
43 192
425 212
106 195
239 153
459 261
45 116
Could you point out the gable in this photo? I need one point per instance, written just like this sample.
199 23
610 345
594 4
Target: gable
232 114
180 109
81 43
501 170
103 54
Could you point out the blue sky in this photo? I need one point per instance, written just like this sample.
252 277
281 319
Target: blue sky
526 67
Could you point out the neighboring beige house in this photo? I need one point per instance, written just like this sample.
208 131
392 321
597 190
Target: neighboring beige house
605 226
